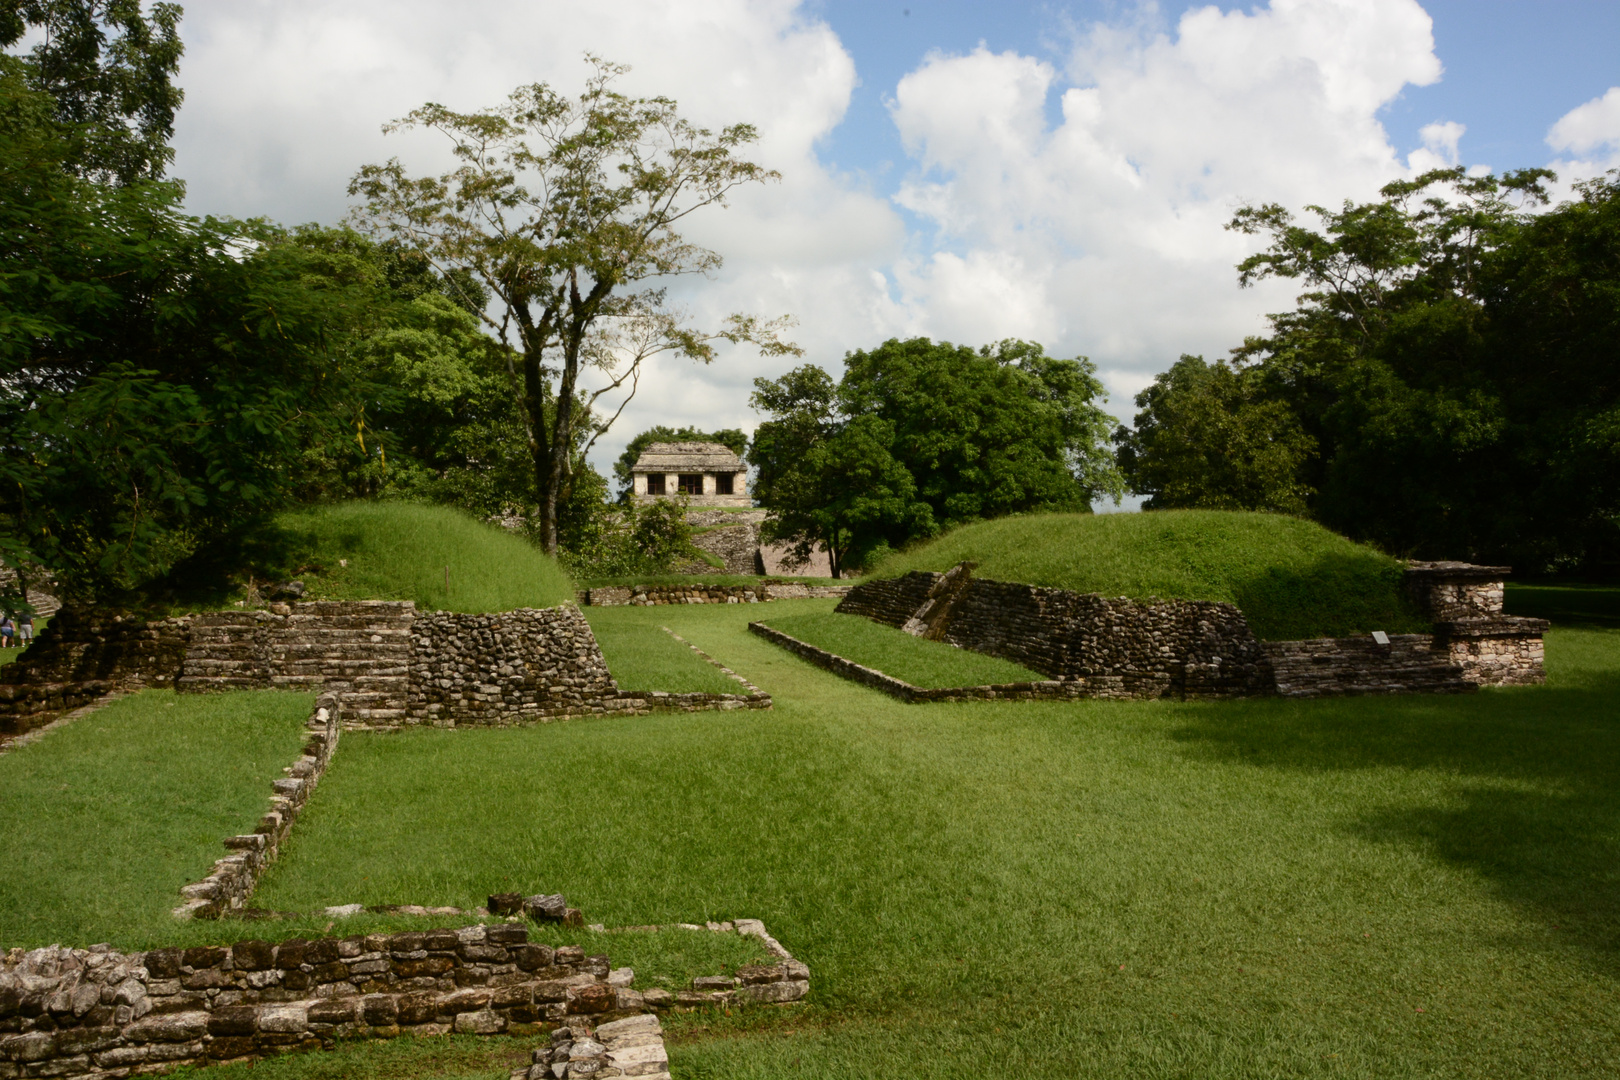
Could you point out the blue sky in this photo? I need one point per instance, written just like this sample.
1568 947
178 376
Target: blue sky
1512 67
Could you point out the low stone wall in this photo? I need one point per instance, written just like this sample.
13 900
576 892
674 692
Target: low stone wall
78 659
534 663
1194 649
394 665
236 876
1456 590
97 1014
527 665
1052 690
661 595
1324 667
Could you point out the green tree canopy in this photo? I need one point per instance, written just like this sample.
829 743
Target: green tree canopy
566 210
106 66
1454 359
161 376
1208 438
938 433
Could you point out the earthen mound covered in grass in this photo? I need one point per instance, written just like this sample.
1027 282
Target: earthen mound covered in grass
1292 578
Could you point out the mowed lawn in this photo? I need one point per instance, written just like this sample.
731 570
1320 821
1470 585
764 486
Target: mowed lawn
1391 887
104 820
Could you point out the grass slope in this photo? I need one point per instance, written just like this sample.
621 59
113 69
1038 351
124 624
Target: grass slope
1292 578
641 656
1359 887
399 551
103 821
928 664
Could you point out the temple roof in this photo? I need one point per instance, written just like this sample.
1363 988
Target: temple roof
688 457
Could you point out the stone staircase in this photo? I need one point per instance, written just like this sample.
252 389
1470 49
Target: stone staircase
362 648
228 650
1324 667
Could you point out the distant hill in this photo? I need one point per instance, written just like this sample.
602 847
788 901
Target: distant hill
1291 578
399 551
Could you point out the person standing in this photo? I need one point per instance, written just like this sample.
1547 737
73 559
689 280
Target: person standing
8 632
25 629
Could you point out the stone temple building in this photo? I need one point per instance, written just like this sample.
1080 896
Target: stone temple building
707 473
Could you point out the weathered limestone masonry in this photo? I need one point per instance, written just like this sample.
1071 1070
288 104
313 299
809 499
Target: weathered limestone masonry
1127 648
96 1014
1465 603
525 665
1115 648
1022 691
79 658
363 647
393 665
658 595
1335 667
236 876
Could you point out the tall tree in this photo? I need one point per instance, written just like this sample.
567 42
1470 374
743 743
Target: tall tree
920 435
160 375
990 431
828 481
567 210
1454 359
107 66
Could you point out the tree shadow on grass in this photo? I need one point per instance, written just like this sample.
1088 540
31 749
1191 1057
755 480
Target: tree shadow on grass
1538 782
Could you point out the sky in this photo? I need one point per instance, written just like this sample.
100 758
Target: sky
1058 172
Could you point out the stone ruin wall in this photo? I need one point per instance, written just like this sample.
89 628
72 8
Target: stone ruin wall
395 666
530 664
234 877
79 658
1198 649
662 595
97 1013
1102 647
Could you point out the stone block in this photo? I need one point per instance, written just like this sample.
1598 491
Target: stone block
482 1022
169 1027
284 1019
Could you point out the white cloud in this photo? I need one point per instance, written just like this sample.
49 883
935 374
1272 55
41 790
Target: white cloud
1592 131
1439 149
1099 233
1113 216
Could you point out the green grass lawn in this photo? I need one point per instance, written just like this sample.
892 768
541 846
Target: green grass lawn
641 656
399 551
1292 578
1367 887
927 664
102 821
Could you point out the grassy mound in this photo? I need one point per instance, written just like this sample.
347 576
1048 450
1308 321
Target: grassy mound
399 551
1292 578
